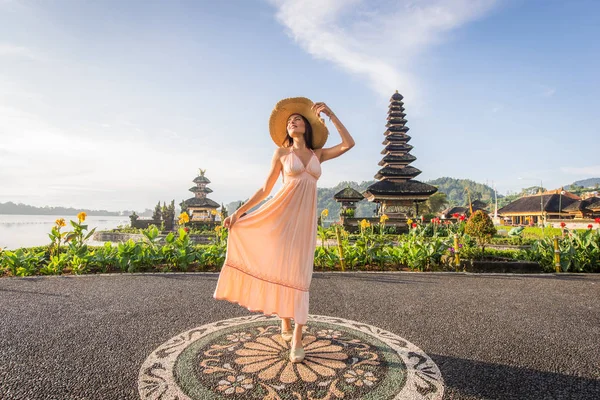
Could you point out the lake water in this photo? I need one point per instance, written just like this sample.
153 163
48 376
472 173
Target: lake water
32 230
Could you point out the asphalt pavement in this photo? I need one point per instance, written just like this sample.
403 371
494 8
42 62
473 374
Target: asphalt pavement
493 336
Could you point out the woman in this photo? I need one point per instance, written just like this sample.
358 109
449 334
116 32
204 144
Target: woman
270 251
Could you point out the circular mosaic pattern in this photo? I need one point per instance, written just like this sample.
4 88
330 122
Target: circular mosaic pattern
247 358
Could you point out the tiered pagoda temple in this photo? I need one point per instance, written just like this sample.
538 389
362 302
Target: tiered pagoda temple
348 197
200 208
397 193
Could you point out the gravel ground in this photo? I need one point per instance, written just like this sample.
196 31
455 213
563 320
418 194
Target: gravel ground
493 336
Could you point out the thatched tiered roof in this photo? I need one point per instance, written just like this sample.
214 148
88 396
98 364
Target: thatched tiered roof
201 202
405 189
591 204
397 159
200 191
201 179
348 194
396 176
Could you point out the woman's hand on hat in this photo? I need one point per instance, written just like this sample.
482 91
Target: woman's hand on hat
319 108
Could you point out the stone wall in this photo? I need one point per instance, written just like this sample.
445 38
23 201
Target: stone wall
117 237
145 223
352 225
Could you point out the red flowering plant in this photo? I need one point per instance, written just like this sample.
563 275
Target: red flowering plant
458 226
435 222
562 228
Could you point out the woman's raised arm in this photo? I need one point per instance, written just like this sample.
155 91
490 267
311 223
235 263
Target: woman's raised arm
347 140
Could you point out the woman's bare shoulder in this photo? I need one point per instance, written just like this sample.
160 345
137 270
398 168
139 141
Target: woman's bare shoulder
280 152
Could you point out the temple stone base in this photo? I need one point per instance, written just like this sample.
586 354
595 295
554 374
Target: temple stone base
353 224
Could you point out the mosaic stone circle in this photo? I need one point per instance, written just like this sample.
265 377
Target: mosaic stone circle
246 358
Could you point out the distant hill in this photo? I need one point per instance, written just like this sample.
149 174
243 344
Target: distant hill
456 194
24 209
453 188
325 200
586 183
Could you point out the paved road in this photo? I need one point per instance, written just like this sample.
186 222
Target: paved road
492 336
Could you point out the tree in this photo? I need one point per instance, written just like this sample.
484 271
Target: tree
169 213
157 216
436 203
164 211
183 206
481 227
223 212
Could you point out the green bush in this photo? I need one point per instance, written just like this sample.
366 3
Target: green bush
481 227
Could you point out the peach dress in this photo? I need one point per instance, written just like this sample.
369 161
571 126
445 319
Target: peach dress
270 251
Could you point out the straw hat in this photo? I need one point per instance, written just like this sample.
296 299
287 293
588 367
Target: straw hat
296 105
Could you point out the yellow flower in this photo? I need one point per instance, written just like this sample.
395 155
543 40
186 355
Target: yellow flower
409 222
61 222
324 213
214 212
81 216
218 228
184 218
364 224
383 218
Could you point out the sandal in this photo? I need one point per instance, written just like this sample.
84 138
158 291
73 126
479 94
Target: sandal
297 354
287 335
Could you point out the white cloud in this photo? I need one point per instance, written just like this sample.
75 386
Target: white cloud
9 50
376 39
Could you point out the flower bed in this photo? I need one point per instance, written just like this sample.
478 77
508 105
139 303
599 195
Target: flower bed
427 247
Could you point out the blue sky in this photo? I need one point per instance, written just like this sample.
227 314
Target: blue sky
115 105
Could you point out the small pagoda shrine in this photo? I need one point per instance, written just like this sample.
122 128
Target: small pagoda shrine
201 208
348 197
398 195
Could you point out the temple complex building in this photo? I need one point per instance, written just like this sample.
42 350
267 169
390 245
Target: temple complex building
348 197
397 193
201 208
588 208
537 209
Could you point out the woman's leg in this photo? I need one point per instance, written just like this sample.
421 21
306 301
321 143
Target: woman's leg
286 324
297 338
297 350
